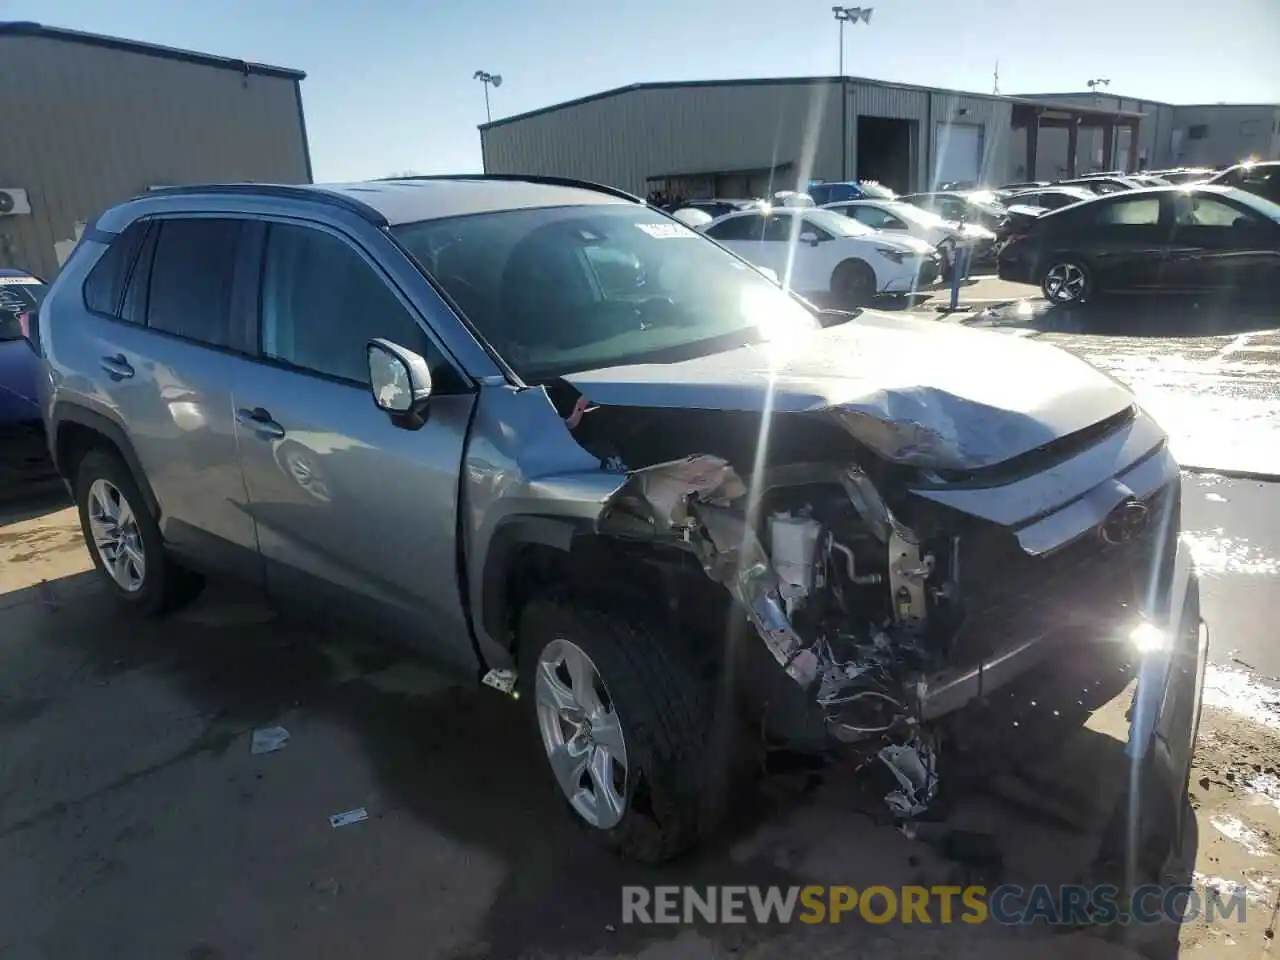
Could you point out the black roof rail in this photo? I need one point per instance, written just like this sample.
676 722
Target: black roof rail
527 178
281 190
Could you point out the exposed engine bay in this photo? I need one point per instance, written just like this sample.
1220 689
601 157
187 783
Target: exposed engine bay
859 597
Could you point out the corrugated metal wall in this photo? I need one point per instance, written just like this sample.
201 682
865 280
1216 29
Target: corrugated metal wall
622 140
625 138
86 127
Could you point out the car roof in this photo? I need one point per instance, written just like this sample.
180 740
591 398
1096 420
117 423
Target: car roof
20 274
410 200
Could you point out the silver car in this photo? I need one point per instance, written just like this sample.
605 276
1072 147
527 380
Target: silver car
575 450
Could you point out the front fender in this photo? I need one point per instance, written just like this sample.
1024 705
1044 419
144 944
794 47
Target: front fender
525 480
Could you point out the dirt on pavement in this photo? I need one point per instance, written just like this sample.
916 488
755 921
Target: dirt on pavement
134 821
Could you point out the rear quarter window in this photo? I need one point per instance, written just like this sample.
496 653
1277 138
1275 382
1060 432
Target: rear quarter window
104 287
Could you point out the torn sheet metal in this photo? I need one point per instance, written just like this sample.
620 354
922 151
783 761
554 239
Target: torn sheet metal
667 487
914 766
740 563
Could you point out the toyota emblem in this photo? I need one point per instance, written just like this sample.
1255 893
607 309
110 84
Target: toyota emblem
1126 522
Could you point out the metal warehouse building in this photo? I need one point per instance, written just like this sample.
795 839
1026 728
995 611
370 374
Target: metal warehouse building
92 120
739 138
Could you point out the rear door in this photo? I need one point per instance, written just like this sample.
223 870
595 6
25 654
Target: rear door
166 325
355 515
1218 244
1122 240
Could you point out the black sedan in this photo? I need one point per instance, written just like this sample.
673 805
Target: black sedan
980 208
1166 239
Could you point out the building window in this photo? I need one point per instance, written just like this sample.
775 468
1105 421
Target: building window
1198 131
1250 128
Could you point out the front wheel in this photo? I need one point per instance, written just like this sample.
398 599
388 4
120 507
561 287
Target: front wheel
620 718
853 283
1067 281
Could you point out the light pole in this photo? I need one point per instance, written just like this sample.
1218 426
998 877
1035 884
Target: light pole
845 15
1093 85
494 79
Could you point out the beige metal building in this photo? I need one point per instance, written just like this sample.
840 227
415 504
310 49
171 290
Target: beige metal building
92 120
1211 134
743 138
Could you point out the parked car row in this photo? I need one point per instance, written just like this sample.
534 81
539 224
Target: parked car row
1199 238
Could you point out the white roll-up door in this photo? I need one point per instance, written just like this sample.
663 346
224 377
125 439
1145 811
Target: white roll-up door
958 149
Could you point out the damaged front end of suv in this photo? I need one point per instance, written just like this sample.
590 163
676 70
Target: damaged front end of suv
900 551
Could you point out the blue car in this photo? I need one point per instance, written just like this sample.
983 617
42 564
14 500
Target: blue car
20 296
824 193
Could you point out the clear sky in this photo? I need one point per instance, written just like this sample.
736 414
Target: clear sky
389 83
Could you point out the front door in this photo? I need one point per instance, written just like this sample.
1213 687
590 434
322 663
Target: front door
354 514
1218 245
1127 243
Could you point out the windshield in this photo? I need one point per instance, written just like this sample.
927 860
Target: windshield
1262 205
557 290
917 215
877 191
836 224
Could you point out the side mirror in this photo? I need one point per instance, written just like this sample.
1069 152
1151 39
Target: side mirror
810 238
400 381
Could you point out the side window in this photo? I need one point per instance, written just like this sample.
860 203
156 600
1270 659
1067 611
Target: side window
739 228
1138 212
777 228
890 222
104 287
322 304
808 226
1199 211
191 279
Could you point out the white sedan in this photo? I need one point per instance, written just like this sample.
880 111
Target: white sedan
819 252
900 218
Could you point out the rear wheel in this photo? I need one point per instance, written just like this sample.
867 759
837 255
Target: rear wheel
1067 281
853 283
620 718
124 539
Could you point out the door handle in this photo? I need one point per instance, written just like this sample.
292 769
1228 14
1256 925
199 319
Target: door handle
117 367
259 421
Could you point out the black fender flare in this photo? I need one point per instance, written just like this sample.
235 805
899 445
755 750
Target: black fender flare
513 534
67 413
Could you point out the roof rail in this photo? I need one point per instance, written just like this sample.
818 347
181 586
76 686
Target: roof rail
528 178
281 190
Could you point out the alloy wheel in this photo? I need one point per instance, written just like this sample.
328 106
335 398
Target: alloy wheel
1064 283
116 536
581 733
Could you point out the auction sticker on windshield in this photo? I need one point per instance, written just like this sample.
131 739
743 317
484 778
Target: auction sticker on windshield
666 231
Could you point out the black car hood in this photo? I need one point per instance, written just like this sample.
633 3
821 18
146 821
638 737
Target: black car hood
918 392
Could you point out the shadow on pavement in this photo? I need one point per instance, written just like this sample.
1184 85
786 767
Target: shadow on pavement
1135 316
467 764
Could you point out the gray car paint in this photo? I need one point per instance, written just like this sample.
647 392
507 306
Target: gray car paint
383 528
914 391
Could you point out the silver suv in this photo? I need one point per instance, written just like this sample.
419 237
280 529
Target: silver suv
574 449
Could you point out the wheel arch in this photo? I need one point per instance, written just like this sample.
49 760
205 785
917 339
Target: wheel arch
74 431
532 555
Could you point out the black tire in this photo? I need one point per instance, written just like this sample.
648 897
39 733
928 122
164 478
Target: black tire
1067 281
656 696
853 283
164 585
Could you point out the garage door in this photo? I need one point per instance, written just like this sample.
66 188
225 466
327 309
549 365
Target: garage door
958 149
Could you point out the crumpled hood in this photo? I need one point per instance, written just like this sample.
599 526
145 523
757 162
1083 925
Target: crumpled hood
916 391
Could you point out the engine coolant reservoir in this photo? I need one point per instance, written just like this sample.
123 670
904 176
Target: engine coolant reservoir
794 553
